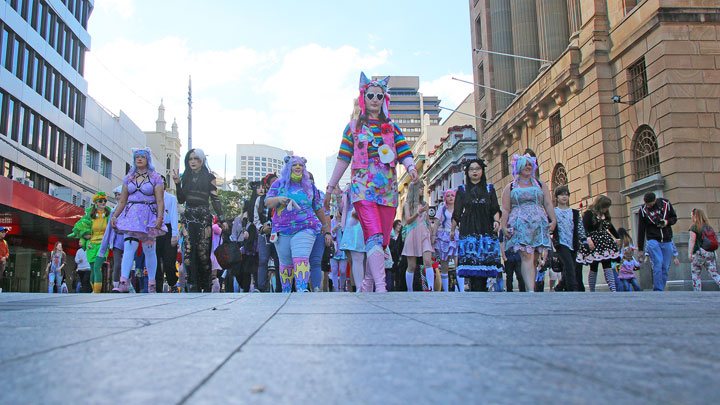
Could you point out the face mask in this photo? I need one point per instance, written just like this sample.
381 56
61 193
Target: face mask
295 177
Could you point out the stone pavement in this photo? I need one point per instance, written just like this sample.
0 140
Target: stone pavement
360 348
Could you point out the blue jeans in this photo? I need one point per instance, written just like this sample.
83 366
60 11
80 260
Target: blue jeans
315 259
297 245
619 285
628 283
660 254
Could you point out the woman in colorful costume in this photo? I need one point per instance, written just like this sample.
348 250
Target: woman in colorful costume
526 208
418 238
352 244
297 220
445 246
139 215
374 145
97 216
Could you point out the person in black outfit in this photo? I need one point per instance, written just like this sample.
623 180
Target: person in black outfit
399 261
601 248
197 190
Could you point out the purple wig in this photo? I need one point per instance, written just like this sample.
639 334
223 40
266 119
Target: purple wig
285 180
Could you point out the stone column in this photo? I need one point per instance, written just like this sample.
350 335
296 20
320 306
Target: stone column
503 67
525 41
574 18
552 28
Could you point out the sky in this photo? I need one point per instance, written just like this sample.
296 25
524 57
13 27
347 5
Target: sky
282 73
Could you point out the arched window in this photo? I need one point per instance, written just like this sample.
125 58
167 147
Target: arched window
559 176
645 156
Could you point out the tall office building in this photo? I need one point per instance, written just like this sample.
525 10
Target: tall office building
57 145
254 161
408 105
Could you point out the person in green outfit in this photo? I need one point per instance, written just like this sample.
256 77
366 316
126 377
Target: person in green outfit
97 216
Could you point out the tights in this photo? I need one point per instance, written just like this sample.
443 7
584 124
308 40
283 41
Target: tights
337 273
196 258
358 268
609 275
130 247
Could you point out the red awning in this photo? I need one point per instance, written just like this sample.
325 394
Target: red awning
24 198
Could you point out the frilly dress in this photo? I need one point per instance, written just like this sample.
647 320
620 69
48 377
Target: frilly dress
528 220
478 245
444 247
138 218
418 237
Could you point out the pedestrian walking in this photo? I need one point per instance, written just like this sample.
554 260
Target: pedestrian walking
83 269
445 246
262 219
139 215
628 264
197 190
568 236
115 242
374 145
297 220
655 221
418 242
166 245
54 267
602 248
701 249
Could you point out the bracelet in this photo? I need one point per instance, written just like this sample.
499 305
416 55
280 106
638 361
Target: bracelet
329 188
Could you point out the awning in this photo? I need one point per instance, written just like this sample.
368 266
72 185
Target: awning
27 199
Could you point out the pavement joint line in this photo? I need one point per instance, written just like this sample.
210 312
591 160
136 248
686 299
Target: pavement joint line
207 378
51 349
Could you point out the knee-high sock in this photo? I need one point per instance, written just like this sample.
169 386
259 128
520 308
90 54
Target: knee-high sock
592 279
461 283
610 279
430 276
375 269
129 252
302 273
286 277
409 280
150 258
444 279
96 275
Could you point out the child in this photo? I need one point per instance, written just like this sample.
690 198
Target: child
628 265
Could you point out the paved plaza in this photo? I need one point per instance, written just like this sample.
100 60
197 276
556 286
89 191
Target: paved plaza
360 348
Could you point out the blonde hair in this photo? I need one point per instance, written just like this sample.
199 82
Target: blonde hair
700 219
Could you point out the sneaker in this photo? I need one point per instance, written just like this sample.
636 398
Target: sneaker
151 287
215 286
316 289
166 288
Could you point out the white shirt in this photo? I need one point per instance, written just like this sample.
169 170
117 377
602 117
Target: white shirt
171 212
81 260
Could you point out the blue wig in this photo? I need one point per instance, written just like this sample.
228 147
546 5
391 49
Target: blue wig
142 152
285 180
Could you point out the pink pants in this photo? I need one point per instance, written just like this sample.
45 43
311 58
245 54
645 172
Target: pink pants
375 219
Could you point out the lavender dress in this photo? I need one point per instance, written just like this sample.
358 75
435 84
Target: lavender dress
138 218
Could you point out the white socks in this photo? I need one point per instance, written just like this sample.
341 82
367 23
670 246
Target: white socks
409 280
430 276
461 284
444 278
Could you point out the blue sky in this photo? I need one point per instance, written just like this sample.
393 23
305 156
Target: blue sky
282 73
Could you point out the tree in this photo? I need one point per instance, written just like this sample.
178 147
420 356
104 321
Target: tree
232 201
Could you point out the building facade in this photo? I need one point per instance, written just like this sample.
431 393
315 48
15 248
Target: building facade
165 146
408 106
254 161
58 146
626 102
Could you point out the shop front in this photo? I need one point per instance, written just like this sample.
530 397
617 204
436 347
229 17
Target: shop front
36 221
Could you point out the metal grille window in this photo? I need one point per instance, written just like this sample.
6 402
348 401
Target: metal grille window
637 81
505 163
92 158
555 129
646 158
559 177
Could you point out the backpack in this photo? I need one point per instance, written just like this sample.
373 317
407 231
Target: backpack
708 241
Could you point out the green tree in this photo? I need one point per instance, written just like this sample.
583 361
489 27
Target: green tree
232 201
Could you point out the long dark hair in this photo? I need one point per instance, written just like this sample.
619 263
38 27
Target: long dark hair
363 120
250 206
601 202
94 211
204 172
483 178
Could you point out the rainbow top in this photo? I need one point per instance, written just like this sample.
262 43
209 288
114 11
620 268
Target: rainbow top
401 146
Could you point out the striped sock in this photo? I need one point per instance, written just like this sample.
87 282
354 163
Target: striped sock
610 279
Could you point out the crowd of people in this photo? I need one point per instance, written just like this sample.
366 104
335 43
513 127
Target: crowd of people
292 237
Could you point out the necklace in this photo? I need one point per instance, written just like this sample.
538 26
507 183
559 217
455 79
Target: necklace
527 183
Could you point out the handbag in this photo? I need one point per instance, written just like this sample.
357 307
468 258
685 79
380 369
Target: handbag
228 254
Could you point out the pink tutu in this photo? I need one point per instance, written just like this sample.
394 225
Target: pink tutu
417 241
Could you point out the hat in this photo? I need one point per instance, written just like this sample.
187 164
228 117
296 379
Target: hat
100 195
118 190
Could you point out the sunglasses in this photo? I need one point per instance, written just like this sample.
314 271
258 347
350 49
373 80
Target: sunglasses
102 200
379 96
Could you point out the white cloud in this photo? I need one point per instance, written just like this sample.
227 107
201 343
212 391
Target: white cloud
451 92
122 8
297 99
